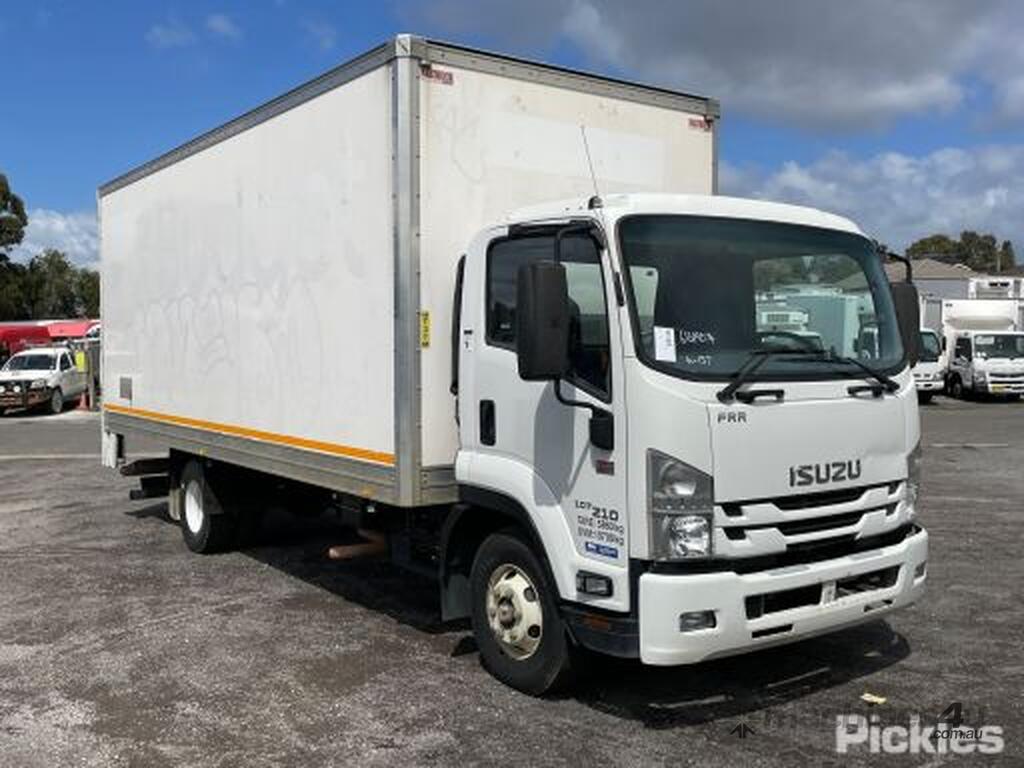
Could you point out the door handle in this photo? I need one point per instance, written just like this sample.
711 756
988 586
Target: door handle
487 422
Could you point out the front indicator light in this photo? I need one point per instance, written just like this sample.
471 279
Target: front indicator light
913 478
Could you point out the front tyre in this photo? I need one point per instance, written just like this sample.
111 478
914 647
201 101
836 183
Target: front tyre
56 401
924 397
521 636
205 525
956 387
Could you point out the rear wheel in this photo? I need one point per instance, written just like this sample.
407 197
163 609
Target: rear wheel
521 636
205 524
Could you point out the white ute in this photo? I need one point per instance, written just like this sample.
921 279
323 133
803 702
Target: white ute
40 377
581 417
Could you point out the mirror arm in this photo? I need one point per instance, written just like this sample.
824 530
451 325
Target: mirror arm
906 264
573 403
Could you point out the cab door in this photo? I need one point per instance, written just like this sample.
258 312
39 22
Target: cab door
511 428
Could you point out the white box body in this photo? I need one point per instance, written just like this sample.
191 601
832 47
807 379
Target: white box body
278 293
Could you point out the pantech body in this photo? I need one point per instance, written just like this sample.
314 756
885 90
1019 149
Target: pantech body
653 422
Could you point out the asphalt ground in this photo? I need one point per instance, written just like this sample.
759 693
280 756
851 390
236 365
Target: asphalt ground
120 648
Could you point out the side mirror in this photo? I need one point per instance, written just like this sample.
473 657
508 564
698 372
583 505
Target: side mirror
542 321
908 314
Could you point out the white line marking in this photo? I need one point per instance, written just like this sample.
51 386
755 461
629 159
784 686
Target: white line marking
47 456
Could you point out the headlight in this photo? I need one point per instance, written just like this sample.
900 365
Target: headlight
38 384
681 501
914 478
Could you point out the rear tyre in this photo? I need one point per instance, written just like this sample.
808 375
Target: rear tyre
205 524
522 639
56 401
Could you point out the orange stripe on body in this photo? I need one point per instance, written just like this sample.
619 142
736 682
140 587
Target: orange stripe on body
337 449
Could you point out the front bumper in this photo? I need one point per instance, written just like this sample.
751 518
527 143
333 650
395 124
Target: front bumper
664 597
24 399
997 387
929 385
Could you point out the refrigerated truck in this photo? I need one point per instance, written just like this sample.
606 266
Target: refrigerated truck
564 411
982 345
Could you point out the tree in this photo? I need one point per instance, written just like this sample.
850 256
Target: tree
980 252
1007 258
934 246
50 286
87 292
13 218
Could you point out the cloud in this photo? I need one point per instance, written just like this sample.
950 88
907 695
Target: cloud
898 198
322 34
222 25
172 33
73 233
835 66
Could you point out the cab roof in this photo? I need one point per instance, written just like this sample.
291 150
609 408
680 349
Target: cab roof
619 205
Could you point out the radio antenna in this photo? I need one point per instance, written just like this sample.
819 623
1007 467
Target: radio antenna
590 165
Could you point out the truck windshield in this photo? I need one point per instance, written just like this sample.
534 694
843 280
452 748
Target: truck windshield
930 349
30 363
706 292
1001 345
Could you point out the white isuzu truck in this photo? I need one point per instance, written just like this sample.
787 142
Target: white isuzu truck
983 349
572 413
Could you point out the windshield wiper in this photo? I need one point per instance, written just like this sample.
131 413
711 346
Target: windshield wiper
830 357
746 371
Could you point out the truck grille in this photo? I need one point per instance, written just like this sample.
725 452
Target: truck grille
808 522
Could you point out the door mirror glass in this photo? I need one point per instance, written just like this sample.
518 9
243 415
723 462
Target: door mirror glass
542 321
908 314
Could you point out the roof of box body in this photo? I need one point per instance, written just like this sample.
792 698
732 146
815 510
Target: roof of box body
619 205
427 52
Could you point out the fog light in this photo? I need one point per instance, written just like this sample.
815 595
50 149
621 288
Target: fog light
691 622
593 584
920 570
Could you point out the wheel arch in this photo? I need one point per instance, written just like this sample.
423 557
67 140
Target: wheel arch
479 513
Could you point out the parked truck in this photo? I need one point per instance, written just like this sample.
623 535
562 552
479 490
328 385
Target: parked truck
983 348
930 371
567 412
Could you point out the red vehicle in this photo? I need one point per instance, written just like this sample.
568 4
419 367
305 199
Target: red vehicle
15 337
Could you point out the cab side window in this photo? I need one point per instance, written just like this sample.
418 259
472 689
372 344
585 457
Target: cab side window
963 349
65 363
589 355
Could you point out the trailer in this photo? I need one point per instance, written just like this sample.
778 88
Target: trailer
492 312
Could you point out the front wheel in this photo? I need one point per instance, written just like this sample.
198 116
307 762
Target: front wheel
56 401
924 397
521 636
956 387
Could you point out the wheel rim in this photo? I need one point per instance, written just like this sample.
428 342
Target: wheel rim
514 612
193 507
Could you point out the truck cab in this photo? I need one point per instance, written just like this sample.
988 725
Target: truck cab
986 362
929 373
698 485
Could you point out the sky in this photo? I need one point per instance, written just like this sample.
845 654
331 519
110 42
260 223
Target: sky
906 116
